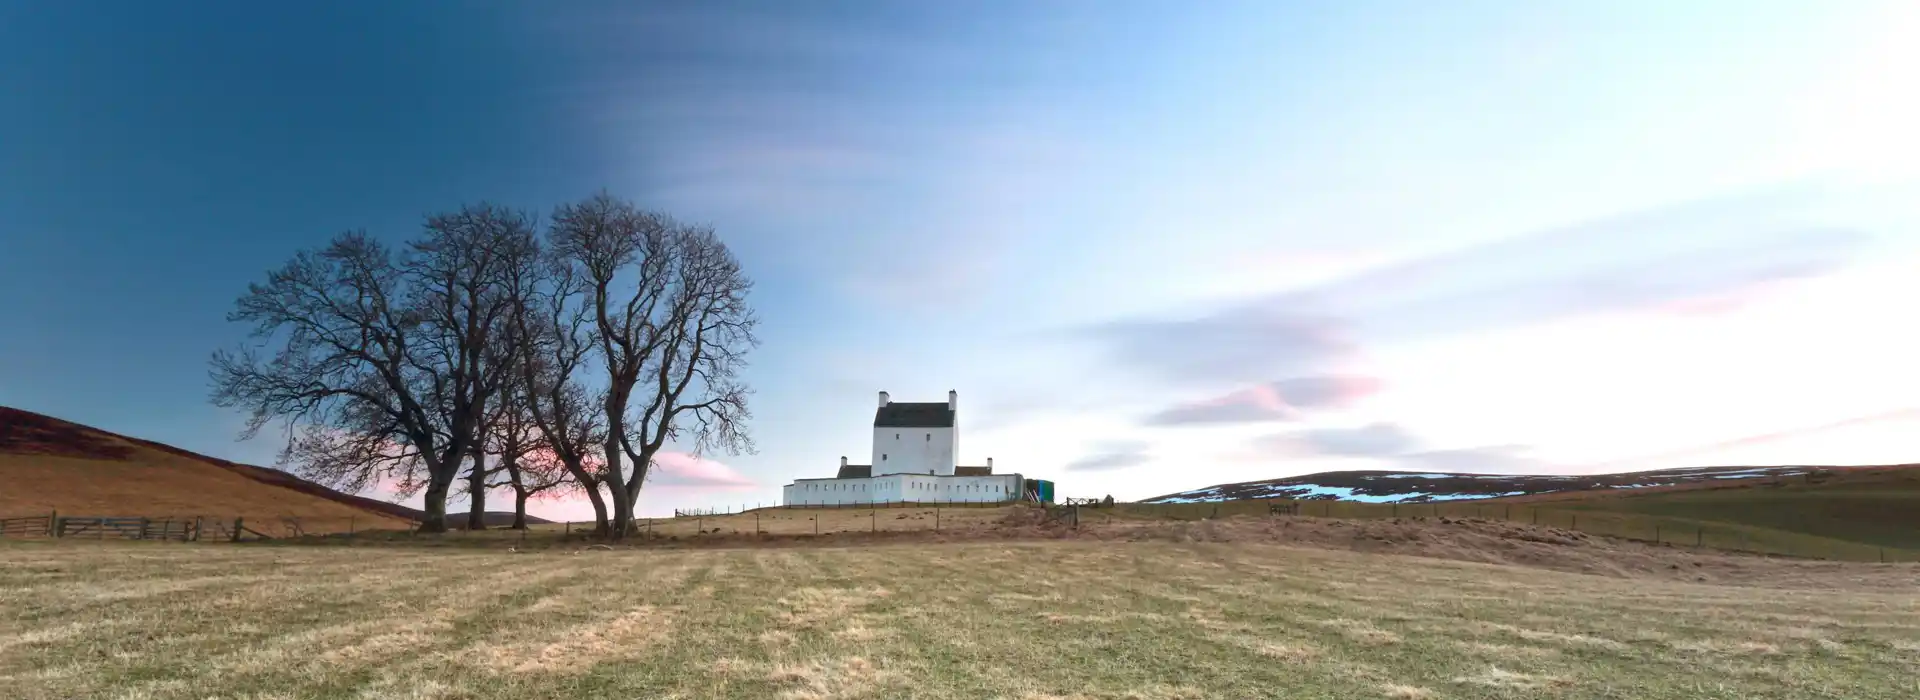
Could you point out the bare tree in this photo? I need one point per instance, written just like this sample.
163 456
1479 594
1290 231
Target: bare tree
382 367
553 328
461 266
343 377
530 469
672 327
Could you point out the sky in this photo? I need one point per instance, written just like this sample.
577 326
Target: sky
1154 246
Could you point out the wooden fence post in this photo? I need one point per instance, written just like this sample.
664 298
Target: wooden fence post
145 524
198 521
237 523
756 521
569 527
53 523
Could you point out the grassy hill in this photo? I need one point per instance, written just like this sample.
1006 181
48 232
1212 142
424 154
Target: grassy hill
1851 513
51 464
493 518
1877 506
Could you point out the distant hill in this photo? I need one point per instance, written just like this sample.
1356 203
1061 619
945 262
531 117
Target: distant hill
493 518
51 464
1807 509
1428 487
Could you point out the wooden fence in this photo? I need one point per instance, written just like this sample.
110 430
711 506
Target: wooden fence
123 528
29 526
178 529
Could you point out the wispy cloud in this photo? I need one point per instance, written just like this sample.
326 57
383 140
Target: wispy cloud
781 119
1372 440
1112 456
679 470
1489 459
1655 260
1283 400
1396 447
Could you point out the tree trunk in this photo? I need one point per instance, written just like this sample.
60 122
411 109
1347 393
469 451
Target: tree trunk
477 486
602 528
617 487
434 513
511 463
622 521
592 487
520 510
634 484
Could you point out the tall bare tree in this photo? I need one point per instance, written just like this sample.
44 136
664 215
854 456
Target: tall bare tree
460 266
553 328
671 326
530 469
381 367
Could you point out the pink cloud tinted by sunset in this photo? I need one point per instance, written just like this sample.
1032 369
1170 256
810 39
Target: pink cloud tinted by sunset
679 470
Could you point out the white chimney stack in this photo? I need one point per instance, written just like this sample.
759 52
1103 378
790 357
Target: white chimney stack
884 400
953 400
989 464
843 461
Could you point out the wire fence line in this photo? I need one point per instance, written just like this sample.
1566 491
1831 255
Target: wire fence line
902 517
184 528
1675 531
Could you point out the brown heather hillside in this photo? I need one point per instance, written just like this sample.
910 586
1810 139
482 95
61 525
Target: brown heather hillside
51 464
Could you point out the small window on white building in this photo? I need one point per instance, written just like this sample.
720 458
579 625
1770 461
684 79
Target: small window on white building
883 456
896 436
929 437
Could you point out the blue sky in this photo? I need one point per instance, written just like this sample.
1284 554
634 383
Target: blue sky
1153 245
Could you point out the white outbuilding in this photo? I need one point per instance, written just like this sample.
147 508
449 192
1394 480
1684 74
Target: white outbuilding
915 459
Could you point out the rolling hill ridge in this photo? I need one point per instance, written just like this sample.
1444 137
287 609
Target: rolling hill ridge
1429 487
52 464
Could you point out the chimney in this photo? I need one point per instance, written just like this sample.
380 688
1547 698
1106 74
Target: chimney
843 462
989 464
953 400
884 400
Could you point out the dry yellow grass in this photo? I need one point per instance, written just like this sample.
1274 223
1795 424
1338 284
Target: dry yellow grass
49 464
156 484
1070 619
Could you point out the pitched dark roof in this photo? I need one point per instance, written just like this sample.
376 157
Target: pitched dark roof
913 415
973 471
855 471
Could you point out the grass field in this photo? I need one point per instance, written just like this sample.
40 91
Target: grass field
1028 620
1876 508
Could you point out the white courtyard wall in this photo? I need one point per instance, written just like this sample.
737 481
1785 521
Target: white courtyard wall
894 488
